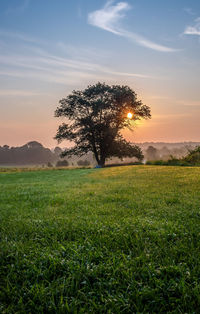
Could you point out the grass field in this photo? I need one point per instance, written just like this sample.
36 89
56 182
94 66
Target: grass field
115 240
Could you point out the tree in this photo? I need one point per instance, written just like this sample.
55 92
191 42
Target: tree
152 153
165 153
83 162
62 163
57 151
96 117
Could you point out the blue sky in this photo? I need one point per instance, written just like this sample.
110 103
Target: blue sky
48 48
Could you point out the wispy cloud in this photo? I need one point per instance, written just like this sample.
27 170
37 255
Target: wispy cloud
18 36
17 92
189 11
61 74
79 11
181 102
194 29
21 8
109 17
189 103
65 78
35 62
47 67
82 53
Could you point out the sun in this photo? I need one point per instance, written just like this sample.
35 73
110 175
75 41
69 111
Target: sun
129 115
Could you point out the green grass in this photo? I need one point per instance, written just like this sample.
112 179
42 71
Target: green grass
115 240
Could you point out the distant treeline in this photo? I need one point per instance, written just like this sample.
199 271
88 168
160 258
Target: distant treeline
164 153
191 159
168 151
34 153
31 153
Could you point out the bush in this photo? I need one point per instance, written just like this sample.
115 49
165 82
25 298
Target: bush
124 164
83 162
171 162
193 158
156 162
62 163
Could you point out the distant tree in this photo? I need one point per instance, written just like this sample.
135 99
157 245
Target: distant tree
152 153
165 153
6 147
83 162
62 163
34 144
57 151
96 116
179 152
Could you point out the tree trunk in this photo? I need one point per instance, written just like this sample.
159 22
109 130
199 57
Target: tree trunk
95 152
96 157
102 161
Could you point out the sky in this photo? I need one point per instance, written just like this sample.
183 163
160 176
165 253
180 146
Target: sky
49 48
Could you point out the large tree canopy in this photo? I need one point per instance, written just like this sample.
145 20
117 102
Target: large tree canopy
95 118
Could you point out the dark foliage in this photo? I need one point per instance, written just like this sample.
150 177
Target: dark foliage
136 163
193 157
170 162
95 117
30 153
152 153
62 163
83 162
